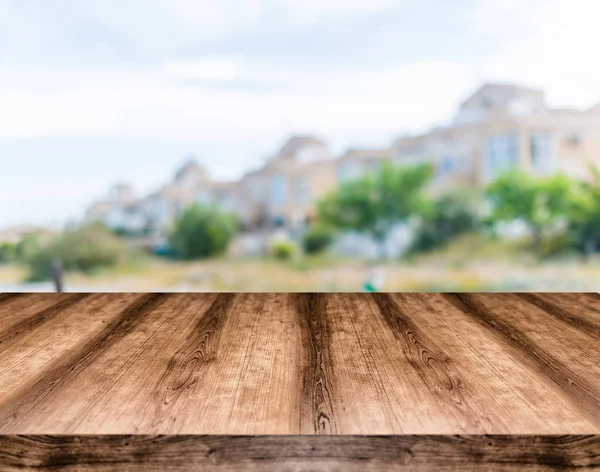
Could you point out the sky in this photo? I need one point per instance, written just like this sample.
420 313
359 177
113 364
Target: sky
98 91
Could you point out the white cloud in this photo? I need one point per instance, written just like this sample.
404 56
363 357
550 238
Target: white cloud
215 69
551 44
148 103
158 26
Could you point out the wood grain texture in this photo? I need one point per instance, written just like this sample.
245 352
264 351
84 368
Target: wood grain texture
317 398
300 453
260 376
299 364
549 345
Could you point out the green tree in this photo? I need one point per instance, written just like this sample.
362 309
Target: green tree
538 202
317 238
8 252
453 213
82 249
202 231
584 217
376 202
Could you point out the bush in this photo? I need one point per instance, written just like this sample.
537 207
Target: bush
84 249
283 250
202 231
317 238
8 252
453 215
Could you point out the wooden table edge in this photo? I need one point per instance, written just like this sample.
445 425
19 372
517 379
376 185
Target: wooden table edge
296 452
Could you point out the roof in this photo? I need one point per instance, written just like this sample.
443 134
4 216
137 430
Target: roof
191 167
101 206
16 233
410 142
296 143
175 191
366 154
510 89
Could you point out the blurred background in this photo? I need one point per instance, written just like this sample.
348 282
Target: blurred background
263 145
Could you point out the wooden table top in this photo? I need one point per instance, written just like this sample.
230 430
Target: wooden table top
257 379
300 363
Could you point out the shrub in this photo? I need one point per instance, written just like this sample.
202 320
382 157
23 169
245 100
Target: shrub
317 238
8 252
84 249
283 250
453 214
202 231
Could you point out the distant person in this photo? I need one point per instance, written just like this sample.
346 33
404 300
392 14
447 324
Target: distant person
57 275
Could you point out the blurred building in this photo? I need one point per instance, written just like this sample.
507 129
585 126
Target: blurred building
154 214
498 127
119 209
502 126
356 162
283 192
16 234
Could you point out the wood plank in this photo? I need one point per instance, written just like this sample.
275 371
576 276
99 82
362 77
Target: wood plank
431 453
52 334
252 384
15 319
564 354
309 364
497 393
23 401
580 314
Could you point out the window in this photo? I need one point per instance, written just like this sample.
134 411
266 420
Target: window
451 164
278 190
542 153
161 210
301 190
203 197
349 171
257 190
502 154
445 167
178 207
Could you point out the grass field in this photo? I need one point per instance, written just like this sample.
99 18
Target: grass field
470 263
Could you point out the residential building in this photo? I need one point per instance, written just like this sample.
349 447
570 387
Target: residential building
357 162
119 209
502 126
284 191
498 127
16 234
155 213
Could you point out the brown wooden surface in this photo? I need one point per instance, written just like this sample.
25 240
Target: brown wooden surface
300 364
365 365
300 453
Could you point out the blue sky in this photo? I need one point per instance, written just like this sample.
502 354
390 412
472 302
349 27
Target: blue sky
95 91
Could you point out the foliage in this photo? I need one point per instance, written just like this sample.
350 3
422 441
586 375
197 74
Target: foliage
453 214
584 218
283 250
317 238
8 252
28 245
375 203
537 202
202 231
84 249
